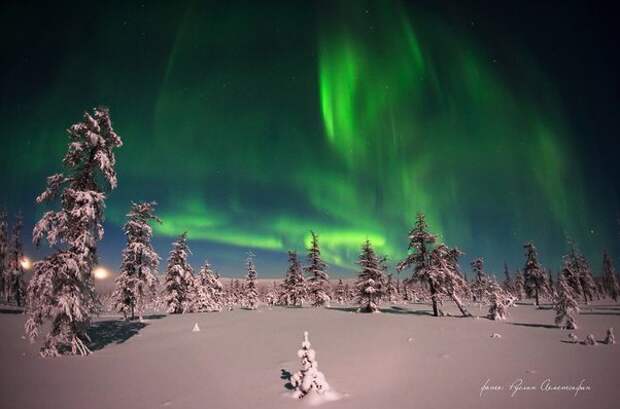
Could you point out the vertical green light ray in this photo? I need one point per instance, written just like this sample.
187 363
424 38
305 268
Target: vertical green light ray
437 129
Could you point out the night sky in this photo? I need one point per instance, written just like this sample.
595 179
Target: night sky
251 123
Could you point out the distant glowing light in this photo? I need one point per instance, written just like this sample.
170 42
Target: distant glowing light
26 263
101 273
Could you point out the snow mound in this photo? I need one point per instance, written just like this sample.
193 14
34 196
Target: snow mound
590 340
496 335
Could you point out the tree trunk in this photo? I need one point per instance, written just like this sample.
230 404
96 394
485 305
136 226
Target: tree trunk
434 298
459 304
536 294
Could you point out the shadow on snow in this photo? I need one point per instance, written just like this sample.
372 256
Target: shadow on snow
531 325
599 313
104 333
386 310
16 310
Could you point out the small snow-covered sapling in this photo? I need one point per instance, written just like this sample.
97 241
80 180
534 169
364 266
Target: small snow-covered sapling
499 299
610 338
566 306
590 340
309 379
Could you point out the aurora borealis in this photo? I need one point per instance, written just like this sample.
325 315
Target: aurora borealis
252 124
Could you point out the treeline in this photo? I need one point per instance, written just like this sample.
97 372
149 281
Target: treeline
62 290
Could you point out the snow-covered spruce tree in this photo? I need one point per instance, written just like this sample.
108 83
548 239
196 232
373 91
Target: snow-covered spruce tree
229 296
407 291
507 284
318 279
293 291
452 257
533 273
309 379
62 286
348 293
391 293
136 284
420 246
271 295
217 288
371 280
193 288
200 298
298 288
179 283
499 300
578 273
16 289
210 290
447 282
4 246
600 289
236 292
570 269
480 286
566 306
452 282
610 282
250 295
240 292
586 280
340 292
518 285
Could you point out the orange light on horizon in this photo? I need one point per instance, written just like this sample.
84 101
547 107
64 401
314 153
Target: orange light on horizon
101 273
25 263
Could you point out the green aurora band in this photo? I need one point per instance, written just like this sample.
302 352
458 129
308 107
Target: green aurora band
414 119
376 116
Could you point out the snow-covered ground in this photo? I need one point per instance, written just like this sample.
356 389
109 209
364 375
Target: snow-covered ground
402 358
